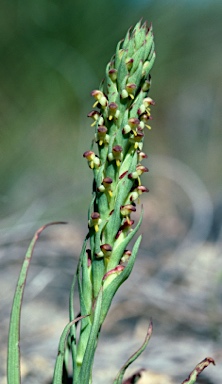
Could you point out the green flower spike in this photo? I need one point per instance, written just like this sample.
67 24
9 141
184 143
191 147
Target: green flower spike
122 111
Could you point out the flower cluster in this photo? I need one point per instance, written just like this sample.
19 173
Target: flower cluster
121 116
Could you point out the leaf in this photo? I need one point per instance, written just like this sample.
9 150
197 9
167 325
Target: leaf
119 377
13 363
198 369
86 368
58 371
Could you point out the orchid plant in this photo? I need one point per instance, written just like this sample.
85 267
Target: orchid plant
121 114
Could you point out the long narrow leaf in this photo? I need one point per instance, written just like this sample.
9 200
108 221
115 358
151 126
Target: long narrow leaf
72 313
13 363
87 363
119 377
58 371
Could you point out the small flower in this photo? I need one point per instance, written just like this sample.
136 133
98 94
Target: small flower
140 169
141 156
125 258
95 115
144 107
126 210
137 140
101 136
134 195
100 98
95 221
146 85
113 111
131 126
106 185
116 154
113 74
106 250
144 118
93 159
125 227
128 91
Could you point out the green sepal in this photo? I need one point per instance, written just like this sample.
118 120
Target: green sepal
119 377
122 72
149 67
111 86
137 57
149 42
117 55
136 76
149 57
139 34
126 41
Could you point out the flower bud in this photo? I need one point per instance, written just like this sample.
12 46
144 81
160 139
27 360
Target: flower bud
125 258
129 63
113 74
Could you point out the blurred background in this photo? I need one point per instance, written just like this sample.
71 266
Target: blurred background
53 54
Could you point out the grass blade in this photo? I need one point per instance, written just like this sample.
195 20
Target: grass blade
119 377
13 361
